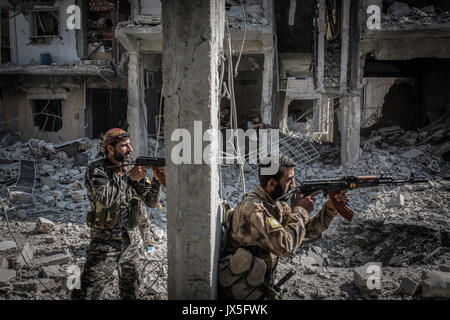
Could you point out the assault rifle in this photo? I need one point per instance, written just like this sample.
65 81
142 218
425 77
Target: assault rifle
347 183
144 162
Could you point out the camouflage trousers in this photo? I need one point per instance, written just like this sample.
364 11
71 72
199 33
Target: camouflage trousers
111 250
144 228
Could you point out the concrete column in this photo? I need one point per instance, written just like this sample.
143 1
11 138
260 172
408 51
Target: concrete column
266 99
284 115
349 118
135 116
351 105
321 46
192 40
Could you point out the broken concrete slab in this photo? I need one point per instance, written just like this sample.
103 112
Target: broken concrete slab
398 201
79 196
6 275
4 263
59 258
25 255
7 247
44 225
61 205
53 272
21 213
435 284
412 154
409 286
371 140
35 285
57 194
48 180
367 278
21 196
374 195
318 260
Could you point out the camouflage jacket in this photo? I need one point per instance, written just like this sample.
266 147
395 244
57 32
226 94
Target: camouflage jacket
116 199
271 229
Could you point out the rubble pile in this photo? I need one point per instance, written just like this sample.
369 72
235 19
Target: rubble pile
404 229
49 224
332 67
253 10
401 14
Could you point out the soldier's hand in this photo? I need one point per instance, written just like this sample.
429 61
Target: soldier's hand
137 173
307 202
338 197
159 174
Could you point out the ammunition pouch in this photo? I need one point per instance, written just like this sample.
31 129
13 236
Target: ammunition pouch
134 212
107 218
103 218
242 276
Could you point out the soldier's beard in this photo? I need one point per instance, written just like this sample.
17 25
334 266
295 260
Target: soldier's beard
120 157
278 192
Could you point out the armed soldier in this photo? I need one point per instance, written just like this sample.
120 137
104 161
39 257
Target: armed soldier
116 195
262 229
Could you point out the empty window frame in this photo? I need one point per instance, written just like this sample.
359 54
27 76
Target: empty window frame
47 114
45 23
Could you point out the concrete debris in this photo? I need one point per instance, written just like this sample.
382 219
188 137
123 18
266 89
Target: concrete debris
6 275
411 154
35 285
21 196
374 195
21 213
53 272
362 278
396 237
399 9
44 225
7 247
400 14
409 286
25 255
60 258
4 263
398 201
435 284
254 15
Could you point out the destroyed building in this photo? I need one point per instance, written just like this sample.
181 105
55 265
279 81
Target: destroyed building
348 95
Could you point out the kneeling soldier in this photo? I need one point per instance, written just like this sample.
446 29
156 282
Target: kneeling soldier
262 229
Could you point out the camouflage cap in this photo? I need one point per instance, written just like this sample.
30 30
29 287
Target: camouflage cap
114 135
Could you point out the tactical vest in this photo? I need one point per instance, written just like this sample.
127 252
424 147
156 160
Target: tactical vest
242 273
108 218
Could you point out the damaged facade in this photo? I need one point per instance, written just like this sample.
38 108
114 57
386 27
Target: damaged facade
312 67
373 100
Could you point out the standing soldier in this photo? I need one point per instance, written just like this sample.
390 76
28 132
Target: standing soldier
262 229
115 195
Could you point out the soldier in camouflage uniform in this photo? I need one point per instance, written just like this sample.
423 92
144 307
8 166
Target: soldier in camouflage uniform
116 195
268 229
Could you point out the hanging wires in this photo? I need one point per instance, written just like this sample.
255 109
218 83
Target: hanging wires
244 14
233 104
